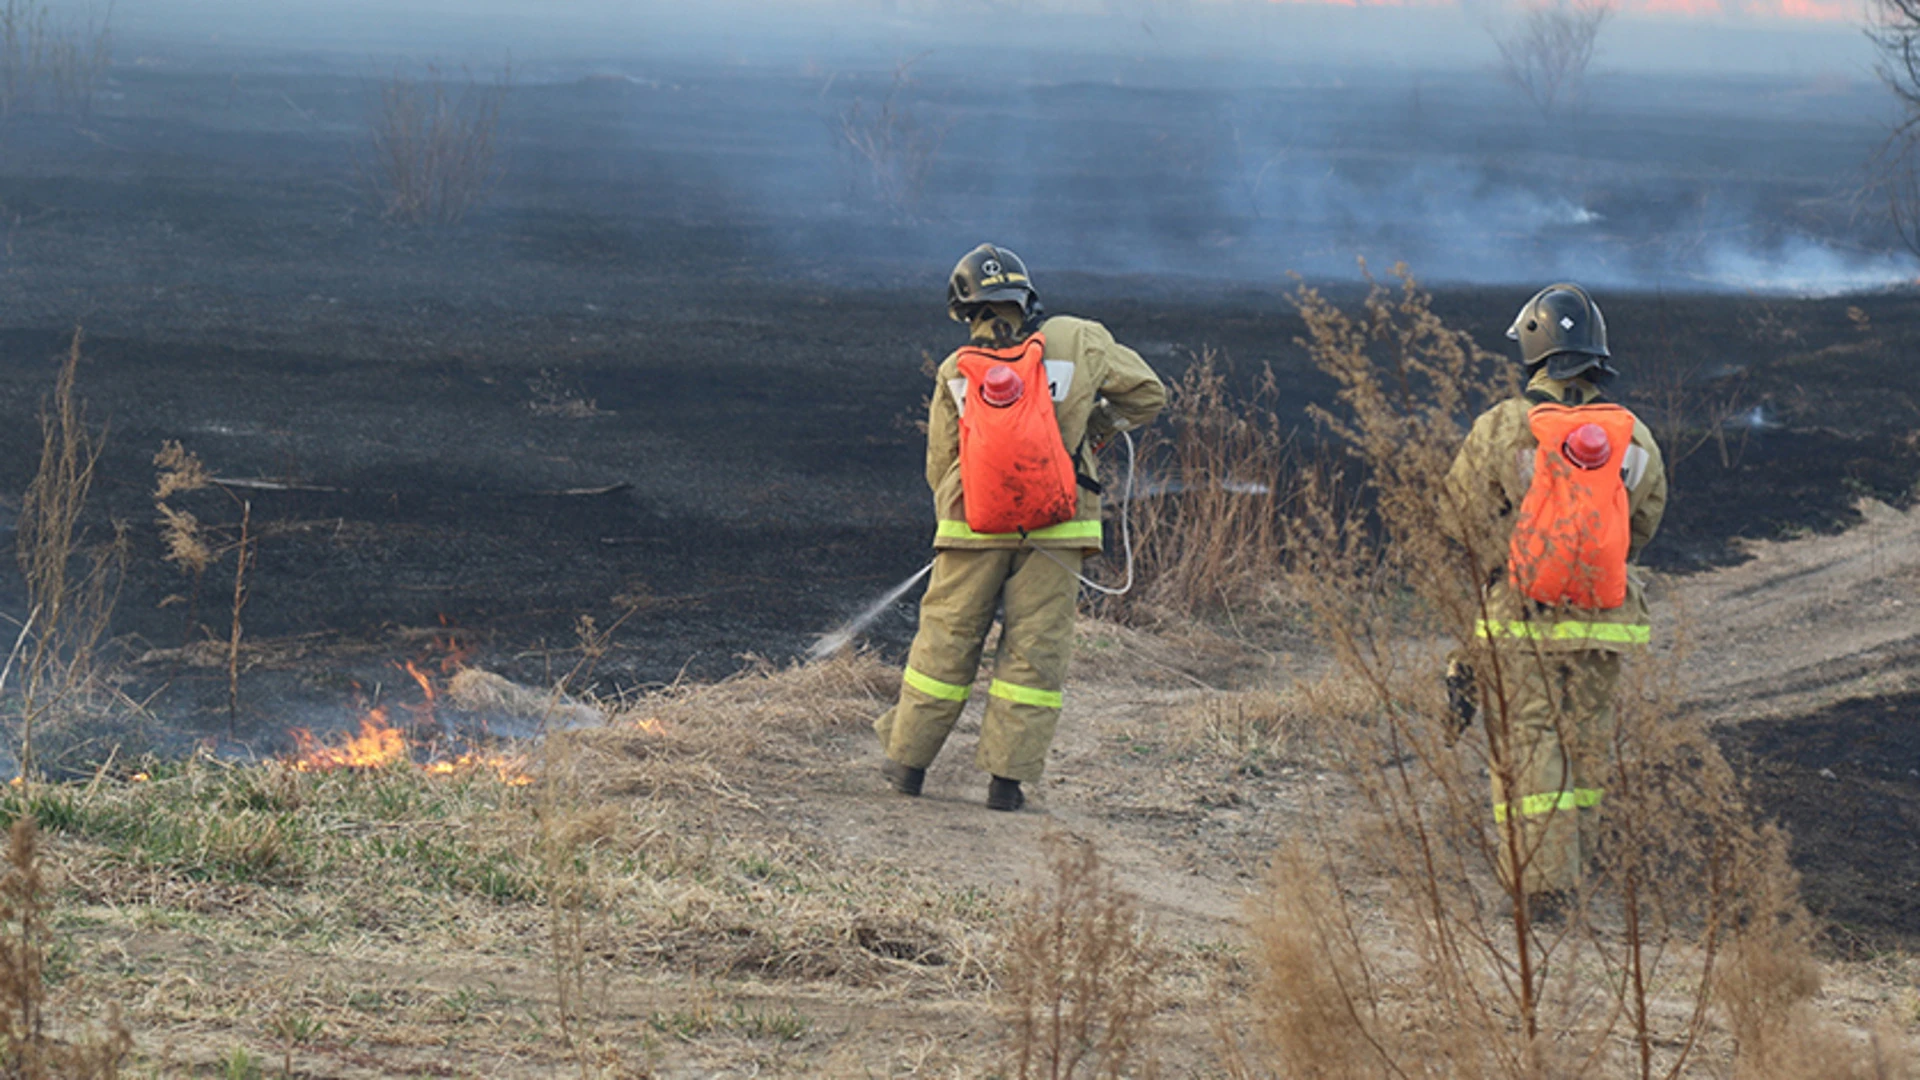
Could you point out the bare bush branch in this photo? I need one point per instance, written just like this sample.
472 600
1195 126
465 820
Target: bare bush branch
1894 27
1547 55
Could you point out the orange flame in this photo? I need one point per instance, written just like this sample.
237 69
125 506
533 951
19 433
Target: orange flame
378 745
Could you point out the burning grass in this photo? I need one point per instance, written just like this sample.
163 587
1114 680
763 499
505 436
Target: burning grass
311 915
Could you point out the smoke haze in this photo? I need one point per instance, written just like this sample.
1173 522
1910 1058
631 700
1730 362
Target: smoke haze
1234 140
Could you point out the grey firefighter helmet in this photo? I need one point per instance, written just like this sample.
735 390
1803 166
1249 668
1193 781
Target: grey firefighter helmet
1563 328
990 275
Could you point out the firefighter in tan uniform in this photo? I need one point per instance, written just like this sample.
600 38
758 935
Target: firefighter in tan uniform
1028 564
1561 605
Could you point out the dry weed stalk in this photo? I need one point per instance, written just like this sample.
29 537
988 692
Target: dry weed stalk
244 554
1080 978
71 587
1383 956
191 546
1209 523
27 1050
568 828
433 145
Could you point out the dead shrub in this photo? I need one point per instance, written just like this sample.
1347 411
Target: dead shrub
1080 979
71 584
1218 477
1384 953
890 148
433 145
45 64
1547 55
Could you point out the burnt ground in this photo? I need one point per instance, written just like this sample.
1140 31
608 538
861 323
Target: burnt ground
1845 782
634 381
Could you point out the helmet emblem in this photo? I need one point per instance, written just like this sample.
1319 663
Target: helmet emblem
1566 322
991 268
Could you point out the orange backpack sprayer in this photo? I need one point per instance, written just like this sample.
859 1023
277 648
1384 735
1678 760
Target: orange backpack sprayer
1015 472
1571 539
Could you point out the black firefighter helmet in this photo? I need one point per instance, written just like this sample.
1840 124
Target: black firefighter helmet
989 275
1562 328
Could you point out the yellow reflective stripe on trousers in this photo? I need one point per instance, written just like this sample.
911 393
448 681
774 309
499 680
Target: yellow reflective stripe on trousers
1535 805
1619 633
1066 530
934 688
1026 695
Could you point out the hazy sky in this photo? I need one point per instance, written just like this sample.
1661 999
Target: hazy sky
1793 37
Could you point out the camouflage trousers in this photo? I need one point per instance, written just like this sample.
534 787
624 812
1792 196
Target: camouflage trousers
1558 752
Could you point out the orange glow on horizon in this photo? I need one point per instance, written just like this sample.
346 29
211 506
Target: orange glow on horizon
1781 10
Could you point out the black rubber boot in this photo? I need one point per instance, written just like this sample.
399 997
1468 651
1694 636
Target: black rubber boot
904 779
1005 794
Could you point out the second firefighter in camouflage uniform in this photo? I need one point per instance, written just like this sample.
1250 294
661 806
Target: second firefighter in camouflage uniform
1559 663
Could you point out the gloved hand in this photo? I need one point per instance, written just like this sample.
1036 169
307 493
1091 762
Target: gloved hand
1463 699
1102 425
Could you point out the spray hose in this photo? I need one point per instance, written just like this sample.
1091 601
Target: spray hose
1126 535
840 638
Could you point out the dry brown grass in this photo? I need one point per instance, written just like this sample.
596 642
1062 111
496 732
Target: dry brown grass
1219 477
638 882
433 153
1285 723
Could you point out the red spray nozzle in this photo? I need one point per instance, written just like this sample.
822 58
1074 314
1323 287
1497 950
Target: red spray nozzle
1002 386
1588 446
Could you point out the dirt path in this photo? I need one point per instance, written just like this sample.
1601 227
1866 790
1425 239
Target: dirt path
1805 623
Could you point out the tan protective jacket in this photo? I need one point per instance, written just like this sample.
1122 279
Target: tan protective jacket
1486 485
1100 388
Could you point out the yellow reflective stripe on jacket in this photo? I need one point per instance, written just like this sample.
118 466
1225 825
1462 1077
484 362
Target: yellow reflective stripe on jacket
1066 530
934 688
1535 805
1026 695
1621 633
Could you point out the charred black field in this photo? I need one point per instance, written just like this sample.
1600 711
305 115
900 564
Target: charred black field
669 371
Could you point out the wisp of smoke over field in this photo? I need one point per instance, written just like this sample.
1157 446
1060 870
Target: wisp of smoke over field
1222 139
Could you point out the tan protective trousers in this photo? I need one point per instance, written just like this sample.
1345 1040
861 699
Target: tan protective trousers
1038 591
1560 707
